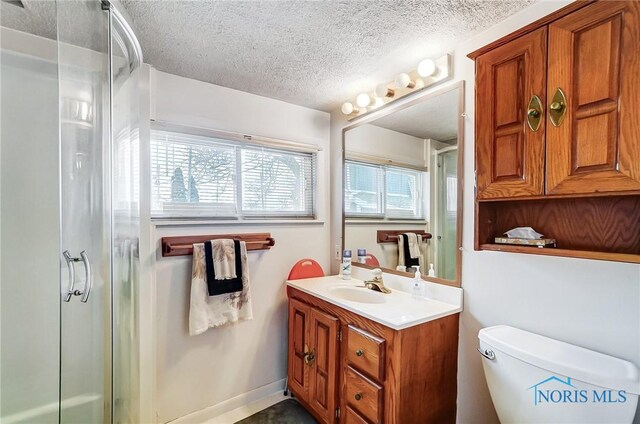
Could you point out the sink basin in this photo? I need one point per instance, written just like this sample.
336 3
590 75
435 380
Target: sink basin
357 294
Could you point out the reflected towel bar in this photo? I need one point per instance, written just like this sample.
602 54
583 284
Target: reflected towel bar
183 245
391 236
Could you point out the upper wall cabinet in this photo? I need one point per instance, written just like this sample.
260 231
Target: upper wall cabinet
509 153
593 142
558 132
567 87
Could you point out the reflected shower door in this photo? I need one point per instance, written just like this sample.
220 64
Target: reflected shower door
447 214
83 68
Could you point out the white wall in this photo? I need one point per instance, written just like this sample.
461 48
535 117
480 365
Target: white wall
222 366
594 304
387 144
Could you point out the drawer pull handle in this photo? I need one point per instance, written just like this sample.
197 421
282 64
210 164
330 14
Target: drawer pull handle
358 396
359 352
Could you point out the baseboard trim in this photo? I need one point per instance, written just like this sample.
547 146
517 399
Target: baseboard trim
215 411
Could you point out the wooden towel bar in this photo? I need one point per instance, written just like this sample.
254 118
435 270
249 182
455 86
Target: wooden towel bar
183 245
391 236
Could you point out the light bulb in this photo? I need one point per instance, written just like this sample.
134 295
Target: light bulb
347 108
383 91
403 81
427 68
363 100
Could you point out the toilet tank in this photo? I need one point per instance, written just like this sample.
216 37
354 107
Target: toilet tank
536 379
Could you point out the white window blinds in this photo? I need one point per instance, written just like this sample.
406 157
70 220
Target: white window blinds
200 176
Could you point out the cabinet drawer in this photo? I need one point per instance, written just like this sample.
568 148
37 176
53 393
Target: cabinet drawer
352 417
366 352
364 395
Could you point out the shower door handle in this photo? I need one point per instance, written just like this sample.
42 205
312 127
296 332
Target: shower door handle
72 275
88 281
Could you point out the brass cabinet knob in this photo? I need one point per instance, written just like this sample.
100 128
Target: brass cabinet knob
557 106
309 357
359 352
534 113
358 396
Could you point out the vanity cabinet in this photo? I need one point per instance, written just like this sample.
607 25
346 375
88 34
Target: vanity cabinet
345 368
557 132
313 358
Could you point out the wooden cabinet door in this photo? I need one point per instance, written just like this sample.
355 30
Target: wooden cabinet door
299 346
509 154
323 387
594 57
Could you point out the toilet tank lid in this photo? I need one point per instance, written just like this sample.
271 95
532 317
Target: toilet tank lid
563 358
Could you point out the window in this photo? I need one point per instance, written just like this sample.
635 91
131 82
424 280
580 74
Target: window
380 191
202 176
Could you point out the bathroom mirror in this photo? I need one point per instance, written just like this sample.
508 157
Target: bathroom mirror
402 186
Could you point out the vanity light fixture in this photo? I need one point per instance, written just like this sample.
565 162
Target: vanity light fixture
348 108
403 80
363 100
428 73
383 91
427 68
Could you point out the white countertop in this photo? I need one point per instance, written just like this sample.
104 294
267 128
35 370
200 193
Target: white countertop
397 310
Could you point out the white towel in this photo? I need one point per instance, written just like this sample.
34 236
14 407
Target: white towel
224 258
401 260
214 311
414 244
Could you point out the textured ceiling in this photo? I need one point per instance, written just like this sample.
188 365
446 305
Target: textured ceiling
312 53
436 118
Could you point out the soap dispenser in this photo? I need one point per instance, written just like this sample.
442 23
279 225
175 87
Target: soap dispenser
417 284
432 272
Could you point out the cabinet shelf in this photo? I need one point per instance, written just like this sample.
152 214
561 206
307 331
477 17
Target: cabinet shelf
552 251
604 228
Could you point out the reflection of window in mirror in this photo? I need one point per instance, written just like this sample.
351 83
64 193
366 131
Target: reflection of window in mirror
380 191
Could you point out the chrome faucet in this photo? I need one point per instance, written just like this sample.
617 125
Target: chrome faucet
377 284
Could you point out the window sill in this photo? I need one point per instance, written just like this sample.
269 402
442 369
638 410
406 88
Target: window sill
358 221
185 222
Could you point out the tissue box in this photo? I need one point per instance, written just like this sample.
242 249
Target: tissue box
544 242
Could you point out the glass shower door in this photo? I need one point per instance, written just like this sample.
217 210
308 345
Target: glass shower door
29 216
125 121
85 248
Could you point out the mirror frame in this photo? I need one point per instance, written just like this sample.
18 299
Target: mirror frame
396 106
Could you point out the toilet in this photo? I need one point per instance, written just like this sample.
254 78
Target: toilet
536 379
